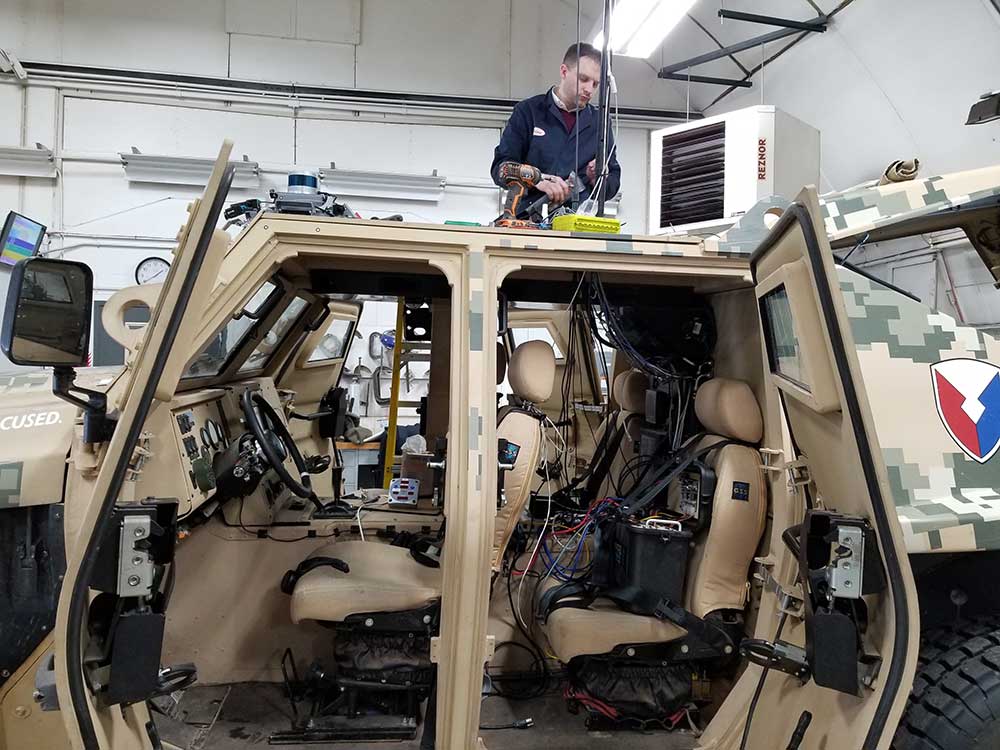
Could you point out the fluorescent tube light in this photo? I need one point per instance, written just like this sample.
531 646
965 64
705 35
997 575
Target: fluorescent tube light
638 26
182 170
21 161
393 185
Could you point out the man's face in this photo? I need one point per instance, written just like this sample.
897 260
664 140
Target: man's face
589 76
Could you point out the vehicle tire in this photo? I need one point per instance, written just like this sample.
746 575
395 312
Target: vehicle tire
955 701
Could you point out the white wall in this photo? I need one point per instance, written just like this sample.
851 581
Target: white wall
491 48
96 216
894 79
890 79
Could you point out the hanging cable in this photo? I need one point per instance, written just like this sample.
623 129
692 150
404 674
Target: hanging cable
760 686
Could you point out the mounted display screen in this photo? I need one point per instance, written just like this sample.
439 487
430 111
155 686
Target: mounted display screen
784 353
20 239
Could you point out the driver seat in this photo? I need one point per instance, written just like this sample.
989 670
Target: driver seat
384 578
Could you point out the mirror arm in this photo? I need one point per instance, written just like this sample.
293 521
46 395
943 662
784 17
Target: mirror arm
97 426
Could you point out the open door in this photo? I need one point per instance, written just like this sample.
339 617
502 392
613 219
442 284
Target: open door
838 590
99 715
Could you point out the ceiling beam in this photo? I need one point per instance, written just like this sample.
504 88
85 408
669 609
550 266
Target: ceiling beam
731 49
743 84
818 25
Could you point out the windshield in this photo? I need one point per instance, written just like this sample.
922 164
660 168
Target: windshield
273 338
217 353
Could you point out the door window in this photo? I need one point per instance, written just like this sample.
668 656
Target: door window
334 343
782 342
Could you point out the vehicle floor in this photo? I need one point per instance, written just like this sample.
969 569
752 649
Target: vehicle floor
227 717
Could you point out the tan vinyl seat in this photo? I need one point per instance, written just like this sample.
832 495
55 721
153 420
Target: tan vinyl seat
388 579
382 579
630 393
601 628
719 566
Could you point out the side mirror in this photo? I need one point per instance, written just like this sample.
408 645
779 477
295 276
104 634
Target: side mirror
47 318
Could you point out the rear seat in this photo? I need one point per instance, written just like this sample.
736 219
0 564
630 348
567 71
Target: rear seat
718 568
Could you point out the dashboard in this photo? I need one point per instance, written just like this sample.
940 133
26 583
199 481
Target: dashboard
203 455
209 436
200 430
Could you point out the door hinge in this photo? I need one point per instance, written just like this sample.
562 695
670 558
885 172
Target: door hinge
790 600
140 456
798 474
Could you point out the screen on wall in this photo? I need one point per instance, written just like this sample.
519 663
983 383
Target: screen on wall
20 239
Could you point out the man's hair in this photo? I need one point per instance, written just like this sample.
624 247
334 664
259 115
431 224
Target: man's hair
586 50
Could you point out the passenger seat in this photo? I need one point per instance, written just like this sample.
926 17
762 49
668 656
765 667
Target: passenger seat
719 566
629 391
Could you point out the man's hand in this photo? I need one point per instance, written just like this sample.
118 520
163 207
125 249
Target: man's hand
556 188
592 171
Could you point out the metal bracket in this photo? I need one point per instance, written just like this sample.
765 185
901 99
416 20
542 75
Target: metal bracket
135 566
45 694
140 456
771 459
789 602
868 668
845 571
798 474
435 648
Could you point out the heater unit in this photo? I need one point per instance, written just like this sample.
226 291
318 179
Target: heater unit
706 174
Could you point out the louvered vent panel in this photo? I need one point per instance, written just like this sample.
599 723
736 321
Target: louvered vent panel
694 171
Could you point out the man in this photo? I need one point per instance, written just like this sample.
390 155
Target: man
557 132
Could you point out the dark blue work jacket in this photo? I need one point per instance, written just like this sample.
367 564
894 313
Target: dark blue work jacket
537 135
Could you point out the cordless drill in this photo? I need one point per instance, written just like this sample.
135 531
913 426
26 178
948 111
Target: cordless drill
517 178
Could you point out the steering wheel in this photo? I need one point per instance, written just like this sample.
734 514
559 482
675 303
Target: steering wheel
276 443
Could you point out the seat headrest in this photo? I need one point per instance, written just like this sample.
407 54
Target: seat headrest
532 371
501 362
629 390
728 408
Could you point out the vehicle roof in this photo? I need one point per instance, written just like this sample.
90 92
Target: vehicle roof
871 206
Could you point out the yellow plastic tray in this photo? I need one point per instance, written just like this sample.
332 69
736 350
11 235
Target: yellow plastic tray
578 223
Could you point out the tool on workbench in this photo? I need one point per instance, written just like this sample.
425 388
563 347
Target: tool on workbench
517 178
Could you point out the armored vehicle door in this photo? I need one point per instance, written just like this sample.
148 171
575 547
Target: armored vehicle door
838 589
110 617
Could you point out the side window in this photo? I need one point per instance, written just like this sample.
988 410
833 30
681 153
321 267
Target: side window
334 343
273 338
536 333
782 342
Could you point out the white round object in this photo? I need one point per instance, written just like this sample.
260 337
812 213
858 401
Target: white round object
152 271
215 433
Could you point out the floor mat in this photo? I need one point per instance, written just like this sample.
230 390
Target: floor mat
246 714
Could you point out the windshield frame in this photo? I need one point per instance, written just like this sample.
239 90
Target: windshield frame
292 295
265 317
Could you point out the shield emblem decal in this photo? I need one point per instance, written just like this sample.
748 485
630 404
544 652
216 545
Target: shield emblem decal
967 396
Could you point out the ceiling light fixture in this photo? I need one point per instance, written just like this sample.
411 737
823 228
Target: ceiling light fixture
638 26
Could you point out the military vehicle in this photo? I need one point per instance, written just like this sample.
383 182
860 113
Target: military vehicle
737 486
